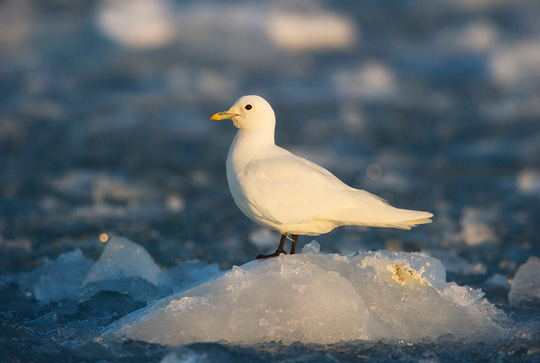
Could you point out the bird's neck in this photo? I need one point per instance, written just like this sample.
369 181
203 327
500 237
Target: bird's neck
255 138
251 144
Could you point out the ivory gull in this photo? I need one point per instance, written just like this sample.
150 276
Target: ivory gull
290 194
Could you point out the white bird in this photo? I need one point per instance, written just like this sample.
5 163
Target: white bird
290 194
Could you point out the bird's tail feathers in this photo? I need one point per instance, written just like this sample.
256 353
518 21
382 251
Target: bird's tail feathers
392 218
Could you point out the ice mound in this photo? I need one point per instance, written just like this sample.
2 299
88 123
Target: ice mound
317 298
123 267
123 258
526 284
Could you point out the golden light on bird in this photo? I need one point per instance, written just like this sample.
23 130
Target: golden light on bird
104 237
267 181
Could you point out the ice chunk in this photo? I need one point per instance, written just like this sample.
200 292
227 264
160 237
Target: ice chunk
138 24
186 355
498 280
124 266
456 264
528 181
477 225
175 202
102 188
516 63
318 298
313 247
301 31
371 80
526 284
263 238
59 279
476 37
123 258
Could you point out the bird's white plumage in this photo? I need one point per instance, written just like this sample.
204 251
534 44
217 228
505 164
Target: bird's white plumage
282 191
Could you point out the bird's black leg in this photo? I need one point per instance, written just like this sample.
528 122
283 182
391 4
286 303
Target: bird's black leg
279 251
293 246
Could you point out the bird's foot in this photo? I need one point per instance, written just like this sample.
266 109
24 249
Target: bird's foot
275 254
279 251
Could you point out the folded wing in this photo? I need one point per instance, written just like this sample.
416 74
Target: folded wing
287 189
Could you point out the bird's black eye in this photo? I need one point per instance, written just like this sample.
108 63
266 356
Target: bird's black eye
248 107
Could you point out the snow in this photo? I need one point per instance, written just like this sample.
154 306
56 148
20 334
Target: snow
526 284
319 298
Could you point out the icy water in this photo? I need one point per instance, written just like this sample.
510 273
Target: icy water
104 129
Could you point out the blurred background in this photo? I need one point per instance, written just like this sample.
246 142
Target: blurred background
105 130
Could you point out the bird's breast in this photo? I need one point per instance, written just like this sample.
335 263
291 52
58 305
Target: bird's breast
235 187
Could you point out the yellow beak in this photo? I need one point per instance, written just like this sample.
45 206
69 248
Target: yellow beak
225 115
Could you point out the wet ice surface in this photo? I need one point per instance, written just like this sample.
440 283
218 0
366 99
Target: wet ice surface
104 129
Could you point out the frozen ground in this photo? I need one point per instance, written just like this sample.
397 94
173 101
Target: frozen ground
104 129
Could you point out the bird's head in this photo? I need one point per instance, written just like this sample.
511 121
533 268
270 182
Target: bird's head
249 112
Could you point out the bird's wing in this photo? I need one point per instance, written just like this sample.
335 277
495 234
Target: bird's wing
286 189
